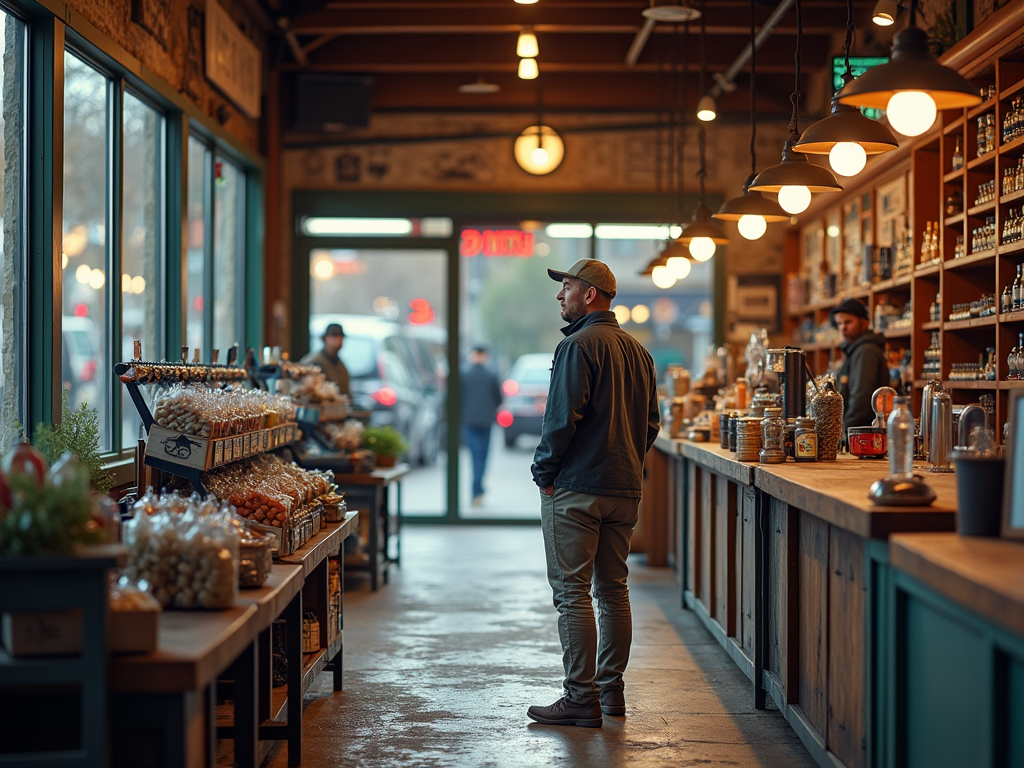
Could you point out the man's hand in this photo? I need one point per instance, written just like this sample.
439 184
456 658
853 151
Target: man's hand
549 491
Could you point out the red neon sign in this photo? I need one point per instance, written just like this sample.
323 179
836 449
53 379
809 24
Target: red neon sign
495 243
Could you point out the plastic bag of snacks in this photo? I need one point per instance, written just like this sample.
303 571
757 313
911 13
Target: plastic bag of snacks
266 489
190 559
347 436
196 409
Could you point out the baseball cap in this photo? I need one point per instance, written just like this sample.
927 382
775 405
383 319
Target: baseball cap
850 307
593 271
333 329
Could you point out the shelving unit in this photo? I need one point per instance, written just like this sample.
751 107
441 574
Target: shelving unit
927 165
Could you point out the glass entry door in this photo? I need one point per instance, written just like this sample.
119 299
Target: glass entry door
392 305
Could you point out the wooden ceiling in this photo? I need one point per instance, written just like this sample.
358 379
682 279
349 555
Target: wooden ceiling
418 52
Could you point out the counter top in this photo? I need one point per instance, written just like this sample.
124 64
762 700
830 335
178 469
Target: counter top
837 491
377 477
983 575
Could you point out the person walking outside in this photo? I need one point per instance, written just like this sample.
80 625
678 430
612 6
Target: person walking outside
600 421
329 361
481 396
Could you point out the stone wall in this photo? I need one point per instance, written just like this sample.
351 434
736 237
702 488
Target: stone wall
167 37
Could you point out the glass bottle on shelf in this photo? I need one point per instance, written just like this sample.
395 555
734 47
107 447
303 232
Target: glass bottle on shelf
1017 281
1013 360
1006 300
958 154
900 439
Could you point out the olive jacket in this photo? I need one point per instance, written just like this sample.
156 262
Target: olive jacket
863 371
602 411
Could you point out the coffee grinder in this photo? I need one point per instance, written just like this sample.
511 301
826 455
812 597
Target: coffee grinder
790 363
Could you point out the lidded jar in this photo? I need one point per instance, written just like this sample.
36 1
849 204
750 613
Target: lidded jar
772 437
805 441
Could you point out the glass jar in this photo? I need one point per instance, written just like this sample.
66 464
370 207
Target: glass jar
772 437
805 442
900 439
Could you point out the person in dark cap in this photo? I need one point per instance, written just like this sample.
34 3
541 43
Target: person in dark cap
600 421
864 370
481 396
327 358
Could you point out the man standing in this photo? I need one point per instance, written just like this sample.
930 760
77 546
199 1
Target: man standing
481 396
601 419
327 358
864 370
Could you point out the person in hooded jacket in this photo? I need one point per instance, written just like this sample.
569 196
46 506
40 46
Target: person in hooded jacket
865 369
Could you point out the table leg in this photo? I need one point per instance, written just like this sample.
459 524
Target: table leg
398 523
374 543
246 727
293 644
336 662
761 543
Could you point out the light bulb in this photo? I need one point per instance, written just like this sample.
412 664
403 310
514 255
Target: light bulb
752 226
662 278
526 45
794 199
702 248
528 69
679 267
847 158
911 112
539 156
706 109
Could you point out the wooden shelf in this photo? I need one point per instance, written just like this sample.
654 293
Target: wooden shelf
977 210
1012 197
1015 384
973 322
981 109
956 218
988 158
1015 146
1012 317
969 384
1012 89
952 127
1005 250
952 176
931 325
898 333
973 260
927 270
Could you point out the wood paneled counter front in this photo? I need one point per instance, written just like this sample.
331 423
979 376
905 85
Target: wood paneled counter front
788 566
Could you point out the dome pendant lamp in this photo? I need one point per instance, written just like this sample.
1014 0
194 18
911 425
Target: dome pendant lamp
702 237
752 211
795 179
912 87
846 136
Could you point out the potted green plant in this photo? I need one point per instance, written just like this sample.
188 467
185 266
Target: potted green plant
386 442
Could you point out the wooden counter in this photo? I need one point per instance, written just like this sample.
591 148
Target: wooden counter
955 652
787 565
369 494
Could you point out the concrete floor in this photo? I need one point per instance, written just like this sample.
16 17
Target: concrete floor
441 664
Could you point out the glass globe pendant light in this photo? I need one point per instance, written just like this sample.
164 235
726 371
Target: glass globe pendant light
794 180
912 88
846 136
752 211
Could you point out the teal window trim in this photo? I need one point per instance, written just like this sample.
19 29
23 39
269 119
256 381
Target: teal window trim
114 223
174 213
253 261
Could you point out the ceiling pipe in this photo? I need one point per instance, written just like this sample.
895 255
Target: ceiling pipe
639 42
721 81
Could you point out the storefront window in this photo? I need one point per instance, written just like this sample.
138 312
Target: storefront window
142 242
12 276
228 242
195 258
86 363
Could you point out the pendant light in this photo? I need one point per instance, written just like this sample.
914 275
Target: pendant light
795 179
912 87
528 69
526 45
706 108
702 236
752 211
846 136
671 11
884 14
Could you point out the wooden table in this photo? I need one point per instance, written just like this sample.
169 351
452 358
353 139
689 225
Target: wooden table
163 703
788 567
369 493
955 655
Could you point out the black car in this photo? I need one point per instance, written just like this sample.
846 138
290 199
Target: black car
526 395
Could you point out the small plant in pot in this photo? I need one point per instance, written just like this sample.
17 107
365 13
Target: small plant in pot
386 442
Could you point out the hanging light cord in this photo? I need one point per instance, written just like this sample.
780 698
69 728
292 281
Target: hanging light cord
912 21
794 121
681 151
753 93
703 66
849 37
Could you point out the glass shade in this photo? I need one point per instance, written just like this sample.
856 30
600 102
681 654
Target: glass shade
528 69
752 227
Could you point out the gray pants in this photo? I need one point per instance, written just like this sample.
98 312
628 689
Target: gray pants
586 540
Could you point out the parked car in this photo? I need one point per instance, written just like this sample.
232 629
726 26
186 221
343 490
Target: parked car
385 381
80 345
525 395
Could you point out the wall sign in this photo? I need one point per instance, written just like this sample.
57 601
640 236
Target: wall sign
496 243
233 61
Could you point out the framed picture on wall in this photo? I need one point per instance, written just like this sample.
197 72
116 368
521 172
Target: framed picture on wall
757 301
1013 484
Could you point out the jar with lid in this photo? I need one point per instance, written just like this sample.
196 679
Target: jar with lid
805 442
772 437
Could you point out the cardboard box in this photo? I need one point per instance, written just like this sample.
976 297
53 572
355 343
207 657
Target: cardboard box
43 634
133 631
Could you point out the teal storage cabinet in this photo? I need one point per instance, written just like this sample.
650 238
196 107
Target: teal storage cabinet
956 653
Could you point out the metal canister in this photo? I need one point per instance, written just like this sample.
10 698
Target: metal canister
733 421
940 446
789 436
723 428
926 415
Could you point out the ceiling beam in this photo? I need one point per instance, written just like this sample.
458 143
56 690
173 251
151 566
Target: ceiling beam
511 29
385 67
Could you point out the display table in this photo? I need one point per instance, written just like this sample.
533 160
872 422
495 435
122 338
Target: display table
368 492
788 566
163 703
957 652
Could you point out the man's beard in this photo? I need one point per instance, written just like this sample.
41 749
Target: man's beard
572 311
